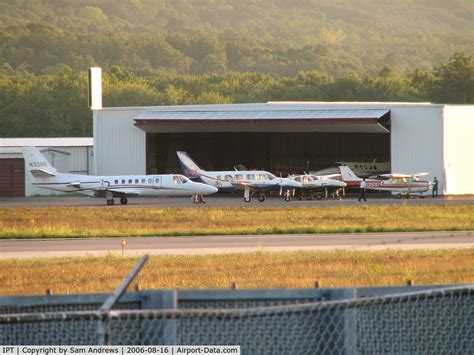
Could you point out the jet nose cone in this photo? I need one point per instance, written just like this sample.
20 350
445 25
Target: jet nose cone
208 189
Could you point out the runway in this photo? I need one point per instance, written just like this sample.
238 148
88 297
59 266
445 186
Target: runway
229 201
233 244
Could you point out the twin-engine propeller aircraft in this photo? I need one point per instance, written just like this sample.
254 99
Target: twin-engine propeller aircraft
398 184
45 176
321 186
250 181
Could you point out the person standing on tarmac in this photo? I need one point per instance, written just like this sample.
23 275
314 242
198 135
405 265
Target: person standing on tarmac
434 192
362 186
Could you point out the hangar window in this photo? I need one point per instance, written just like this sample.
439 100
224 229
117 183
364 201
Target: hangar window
123 181
250 177
238 177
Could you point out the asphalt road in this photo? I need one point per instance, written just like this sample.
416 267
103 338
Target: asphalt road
233 244
227 201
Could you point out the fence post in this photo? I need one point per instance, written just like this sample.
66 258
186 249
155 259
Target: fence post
103 336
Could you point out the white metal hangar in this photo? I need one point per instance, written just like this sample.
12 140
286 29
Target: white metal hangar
285 137
68 155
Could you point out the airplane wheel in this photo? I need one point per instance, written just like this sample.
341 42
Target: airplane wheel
309 197
287 198
261 198
123 200
247 199
110 202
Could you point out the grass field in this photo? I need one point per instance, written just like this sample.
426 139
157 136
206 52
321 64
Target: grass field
52 222
255 270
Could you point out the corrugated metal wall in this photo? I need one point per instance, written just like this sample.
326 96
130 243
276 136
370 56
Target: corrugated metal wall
459 149
417 141
119 147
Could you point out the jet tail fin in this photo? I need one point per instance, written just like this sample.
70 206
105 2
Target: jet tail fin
36 163
348 174
189 167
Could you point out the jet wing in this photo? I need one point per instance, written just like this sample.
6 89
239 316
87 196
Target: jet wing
115 192
242 185
389 176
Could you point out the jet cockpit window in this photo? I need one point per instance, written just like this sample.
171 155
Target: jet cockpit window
306 179
238 177
298 178
183 179
176 180
250 176
270 176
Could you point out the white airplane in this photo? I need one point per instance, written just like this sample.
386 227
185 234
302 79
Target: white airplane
45 176
398 184
319 185
362 169
250 181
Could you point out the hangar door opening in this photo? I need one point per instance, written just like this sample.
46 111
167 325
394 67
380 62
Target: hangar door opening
281 139
276 152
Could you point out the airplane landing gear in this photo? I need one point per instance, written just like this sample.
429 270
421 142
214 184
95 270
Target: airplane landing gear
309 197
287 196
261 198
110 201
247 199
123 200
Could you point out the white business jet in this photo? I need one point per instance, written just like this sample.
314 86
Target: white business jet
250 181
45 176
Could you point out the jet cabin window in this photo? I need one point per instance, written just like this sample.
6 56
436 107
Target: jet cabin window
129 181
228 177
261 177
123 181
143 181
250 177
136 181
238 177
116 182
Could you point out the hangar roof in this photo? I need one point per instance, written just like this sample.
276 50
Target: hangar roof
46 142
268 118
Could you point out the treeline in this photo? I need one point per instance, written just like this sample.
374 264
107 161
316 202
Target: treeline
55 104
280 37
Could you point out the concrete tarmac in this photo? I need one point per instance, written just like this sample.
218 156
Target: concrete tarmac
233 244
235 200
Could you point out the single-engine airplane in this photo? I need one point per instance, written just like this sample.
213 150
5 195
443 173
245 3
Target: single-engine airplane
250 181
45 176
398 184
321 186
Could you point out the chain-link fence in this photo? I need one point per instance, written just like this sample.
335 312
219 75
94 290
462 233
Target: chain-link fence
436 321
